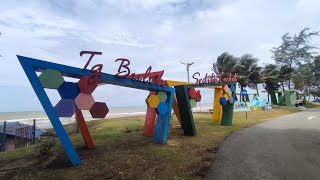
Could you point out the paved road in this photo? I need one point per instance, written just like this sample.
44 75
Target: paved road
285 148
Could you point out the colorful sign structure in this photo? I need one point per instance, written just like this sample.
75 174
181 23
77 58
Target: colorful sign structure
256 104
154 100
186 95
76 96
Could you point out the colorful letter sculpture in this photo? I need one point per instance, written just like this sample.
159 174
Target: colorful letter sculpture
151 111
187 96
229 92
76 96
217 107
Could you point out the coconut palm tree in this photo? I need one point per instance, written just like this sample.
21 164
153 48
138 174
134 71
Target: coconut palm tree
248 72
225 63
270 76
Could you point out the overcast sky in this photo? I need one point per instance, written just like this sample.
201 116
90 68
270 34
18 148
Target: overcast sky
160 33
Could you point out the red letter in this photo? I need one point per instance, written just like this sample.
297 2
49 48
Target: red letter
158 79
146 75
197 80
221 78
125 66
96 71
90 58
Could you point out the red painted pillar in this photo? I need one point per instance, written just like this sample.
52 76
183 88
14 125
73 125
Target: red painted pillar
84 129
150 120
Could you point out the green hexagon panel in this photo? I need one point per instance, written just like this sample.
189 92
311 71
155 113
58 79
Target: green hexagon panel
193 103
162 96
51 79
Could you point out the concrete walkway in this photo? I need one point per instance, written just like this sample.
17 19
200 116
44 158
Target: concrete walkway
285 148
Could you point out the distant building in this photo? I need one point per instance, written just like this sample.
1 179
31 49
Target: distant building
18 135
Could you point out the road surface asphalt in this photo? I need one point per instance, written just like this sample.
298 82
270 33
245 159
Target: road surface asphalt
287 147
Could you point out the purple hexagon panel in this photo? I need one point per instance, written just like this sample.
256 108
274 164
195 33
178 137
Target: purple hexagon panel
65 108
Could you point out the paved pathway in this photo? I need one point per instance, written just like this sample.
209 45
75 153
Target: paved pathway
285 148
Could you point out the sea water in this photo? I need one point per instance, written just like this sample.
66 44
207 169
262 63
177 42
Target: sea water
43 122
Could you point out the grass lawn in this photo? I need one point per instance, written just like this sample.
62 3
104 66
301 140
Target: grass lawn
123 153
312 105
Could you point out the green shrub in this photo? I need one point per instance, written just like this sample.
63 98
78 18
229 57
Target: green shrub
44 145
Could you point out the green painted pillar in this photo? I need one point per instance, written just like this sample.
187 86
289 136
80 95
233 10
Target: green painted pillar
227 113
273 98
280 99
187 121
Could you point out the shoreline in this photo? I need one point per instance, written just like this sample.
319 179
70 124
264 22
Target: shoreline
42 121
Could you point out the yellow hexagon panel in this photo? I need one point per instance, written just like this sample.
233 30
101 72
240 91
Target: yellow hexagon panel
152 101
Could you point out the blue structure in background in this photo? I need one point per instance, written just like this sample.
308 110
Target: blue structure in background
254 105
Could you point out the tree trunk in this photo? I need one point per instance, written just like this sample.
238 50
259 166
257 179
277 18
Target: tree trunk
257 89
289 84
268 97
282 86
241 96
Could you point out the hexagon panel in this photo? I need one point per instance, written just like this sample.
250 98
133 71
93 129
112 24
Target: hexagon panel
226 96
193 103
69 90
226 88
85 86
162 108
162 96
51 79
198 96
84 101
231 99
192 93
223 101
99 110
65 108
152 101
233 87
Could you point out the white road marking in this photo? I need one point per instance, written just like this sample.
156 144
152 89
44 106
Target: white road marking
311 117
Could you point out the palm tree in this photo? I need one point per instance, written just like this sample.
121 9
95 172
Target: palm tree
248 72
225 63
270 76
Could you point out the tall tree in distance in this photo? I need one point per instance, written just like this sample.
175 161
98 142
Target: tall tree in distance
248 72
285 74
303 77
295 50
270 76
225 63
315 85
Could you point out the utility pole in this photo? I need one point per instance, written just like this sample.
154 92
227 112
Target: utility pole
187 68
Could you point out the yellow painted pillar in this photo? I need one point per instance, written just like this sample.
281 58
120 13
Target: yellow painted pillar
217 107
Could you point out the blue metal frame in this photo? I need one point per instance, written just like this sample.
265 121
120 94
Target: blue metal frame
30 67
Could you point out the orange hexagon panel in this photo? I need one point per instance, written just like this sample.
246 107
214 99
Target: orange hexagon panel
85 86
226 88
198 96
84 101
192 93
